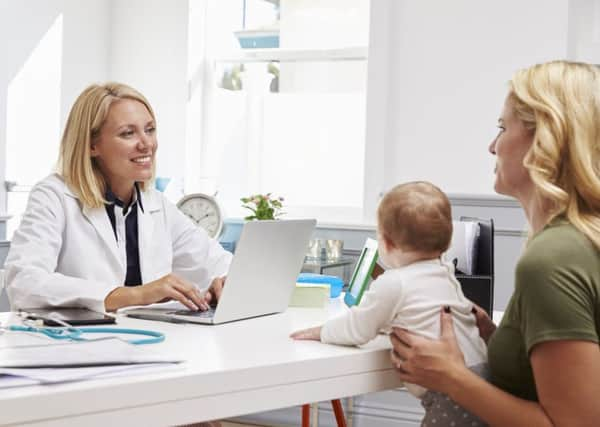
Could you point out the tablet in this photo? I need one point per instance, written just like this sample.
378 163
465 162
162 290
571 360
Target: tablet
361 277
73 316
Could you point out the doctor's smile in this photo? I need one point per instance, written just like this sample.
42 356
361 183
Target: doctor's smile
125 145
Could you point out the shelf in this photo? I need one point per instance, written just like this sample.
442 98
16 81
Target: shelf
356 53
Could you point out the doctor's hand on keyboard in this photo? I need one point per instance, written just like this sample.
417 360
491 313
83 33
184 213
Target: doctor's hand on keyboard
173 287
167 288
213 293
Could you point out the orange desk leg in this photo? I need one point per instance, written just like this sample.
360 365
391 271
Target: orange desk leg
339 412
306 415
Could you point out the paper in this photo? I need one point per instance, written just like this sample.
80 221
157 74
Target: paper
104 351
18 377
462 250
310 295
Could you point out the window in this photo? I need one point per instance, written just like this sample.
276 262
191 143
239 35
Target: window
277 104
33 121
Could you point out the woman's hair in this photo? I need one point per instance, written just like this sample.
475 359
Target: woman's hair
86 118
416 216
560 102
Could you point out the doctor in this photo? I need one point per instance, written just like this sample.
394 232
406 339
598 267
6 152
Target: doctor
96 234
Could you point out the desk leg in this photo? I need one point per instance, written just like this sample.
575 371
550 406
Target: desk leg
338 411
306 415
315 415
350 410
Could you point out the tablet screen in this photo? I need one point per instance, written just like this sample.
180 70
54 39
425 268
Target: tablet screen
363 271
361 277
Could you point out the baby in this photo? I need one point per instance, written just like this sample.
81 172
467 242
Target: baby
414 229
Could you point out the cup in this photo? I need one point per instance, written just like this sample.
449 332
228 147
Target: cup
315 249
333 249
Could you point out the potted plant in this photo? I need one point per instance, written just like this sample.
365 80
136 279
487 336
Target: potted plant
263 206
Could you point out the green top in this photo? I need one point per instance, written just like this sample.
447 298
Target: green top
557 289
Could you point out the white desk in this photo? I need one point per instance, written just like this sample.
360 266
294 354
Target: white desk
232 369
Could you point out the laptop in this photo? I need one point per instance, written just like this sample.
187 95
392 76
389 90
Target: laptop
261 277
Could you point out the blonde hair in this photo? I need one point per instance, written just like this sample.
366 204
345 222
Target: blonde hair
416 216
86 118
560 102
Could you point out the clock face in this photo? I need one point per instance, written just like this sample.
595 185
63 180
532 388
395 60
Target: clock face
204 211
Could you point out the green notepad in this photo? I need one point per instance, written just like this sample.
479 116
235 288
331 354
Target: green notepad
310 295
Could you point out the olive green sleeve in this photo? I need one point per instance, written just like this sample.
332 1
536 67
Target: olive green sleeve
556 300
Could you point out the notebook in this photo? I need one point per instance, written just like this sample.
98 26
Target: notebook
262 276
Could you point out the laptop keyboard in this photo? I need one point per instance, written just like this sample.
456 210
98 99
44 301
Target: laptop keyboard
208 313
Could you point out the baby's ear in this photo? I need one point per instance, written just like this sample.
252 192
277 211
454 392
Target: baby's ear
388 243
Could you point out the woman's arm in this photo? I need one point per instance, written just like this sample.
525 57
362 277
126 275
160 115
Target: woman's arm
567 376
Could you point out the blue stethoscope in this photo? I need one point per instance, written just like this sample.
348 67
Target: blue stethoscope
75 334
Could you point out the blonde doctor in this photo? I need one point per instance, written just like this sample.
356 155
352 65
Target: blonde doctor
96 234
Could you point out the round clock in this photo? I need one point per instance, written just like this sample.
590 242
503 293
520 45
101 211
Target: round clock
204 211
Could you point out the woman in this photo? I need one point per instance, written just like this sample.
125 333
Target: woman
96 230
544 356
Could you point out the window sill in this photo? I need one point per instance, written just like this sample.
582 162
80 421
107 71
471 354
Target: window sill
355 53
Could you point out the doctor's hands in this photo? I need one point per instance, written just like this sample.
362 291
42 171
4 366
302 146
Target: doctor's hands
172 287
167 288
213 293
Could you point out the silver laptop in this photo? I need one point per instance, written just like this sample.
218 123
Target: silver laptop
261 278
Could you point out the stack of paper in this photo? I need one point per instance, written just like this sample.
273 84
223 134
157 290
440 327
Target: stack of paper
47 363
18 377
104 351
463 248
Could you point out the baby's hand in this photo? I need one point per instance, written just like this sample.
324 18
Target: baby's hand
308 334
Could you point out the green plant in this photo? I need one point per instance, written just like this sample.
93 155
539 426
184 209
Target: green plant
263 206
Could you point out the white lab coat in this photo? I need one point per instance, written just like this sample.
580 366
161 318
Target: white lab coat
66 255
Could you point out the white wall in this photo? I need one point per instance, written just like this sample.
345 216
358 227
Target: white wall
149 46
85 49
584 30
446 69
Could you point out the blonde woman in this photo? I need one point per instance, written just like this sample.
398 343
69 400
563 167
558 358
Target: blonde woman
544 356
96 234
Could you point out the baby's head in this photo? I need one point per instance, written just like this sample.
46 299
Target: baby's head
414 223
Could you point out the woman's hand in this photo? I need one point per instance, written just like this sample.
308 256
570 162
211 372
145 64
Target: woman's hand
434 364
167 288
213 293
308 334
172 287
486 326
